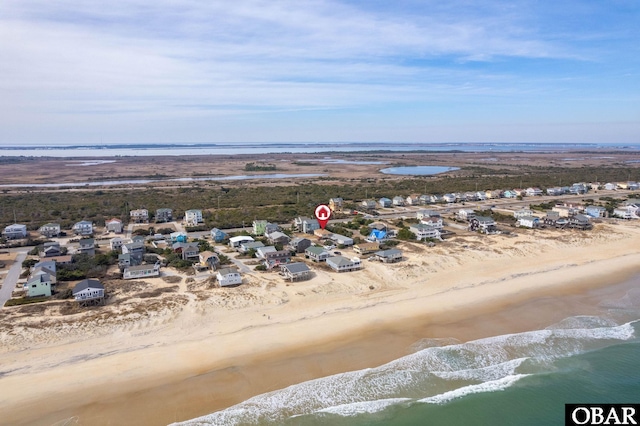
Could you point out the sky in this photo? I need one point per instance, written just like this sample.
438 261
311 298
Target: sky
193 71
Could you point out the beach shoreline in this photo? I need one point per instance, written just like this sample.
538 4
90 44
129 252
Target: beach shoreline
198 362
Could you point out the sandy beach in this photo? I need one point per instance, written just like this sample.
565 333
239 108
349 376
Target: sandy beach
194 351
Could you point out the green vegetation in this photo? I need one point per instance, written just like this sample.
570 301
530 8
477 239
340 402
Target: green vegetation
278 204
405 234
259 167
85 266
25 301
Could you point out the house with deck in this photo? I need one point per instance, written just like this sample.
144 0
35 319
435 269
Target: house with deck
139 216
421 214
236 241
114 225
218 235
278 237
295 271
135 250
275 258
449 198
164 215
188 251
116 243
208 259
343 264
580 221
384 202
423 231
141 271
368 204
435 222
299 245
15 231
533 191
84 227
398 201
193 217
528 221
305 224
595 211
259 227
89 292
466 214
246 246
87 246
388 256
342 240
483 224
262 251
366 248
335 204
316 254
178 237
556 190
413 200
228 276
50 249
522 213
50 230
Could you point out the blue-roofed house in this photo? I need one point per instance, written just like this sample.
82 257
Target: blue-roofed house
217 235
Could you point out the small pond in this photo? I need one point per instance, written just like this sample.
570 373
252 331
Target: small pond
418 170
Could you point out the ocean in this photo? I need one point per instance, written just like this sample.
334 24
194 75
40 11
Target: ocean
512 379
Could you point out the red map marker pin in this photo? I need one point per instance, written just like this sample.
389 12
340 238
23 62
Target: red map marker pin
323 214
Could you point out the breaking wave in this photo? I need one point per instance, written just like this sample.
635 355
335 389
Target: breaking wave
442 371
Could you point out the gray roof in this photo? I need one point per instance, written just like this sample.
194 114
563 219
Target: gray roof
277 234
316 250
296 268
252 245
339 260
140 267
387 253
84 284
227 271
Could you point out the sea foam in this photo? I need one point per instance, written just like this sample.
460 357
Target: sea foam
435 374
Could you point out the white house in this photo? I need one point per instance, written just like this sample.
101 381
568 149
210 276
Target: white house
84 227
466 214
342 240
141 271
88 290
522 213
50 230
193 217
610 186
368 204
449 198
398 201
423 231
235 242
139 216
434 222
15 231
228 276
533 191
529 221
343 264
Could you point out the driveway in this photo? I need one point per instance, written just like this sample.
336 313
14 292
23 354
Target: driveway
11 279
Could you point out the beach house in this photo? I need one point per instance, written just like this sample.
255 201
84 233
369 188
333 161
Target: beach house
299 245
388 256
295 271
193 217
87 246
316 254
398 201
139 216
528 221
236 241
595 211
15 231
366 248
384 202
522 213
483 224
50 249
305 224
164 215
50 230
423 231
113 225
343 264
38 286
208 259
259 227
228 276
88 292
141 271
335 204
84 227
218 235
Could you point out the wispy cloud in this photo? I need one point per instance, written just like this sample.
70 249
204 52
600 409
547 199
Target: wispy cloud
220 57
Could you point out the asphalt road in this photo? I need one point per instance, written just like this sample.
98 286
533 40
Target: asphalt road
11 279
